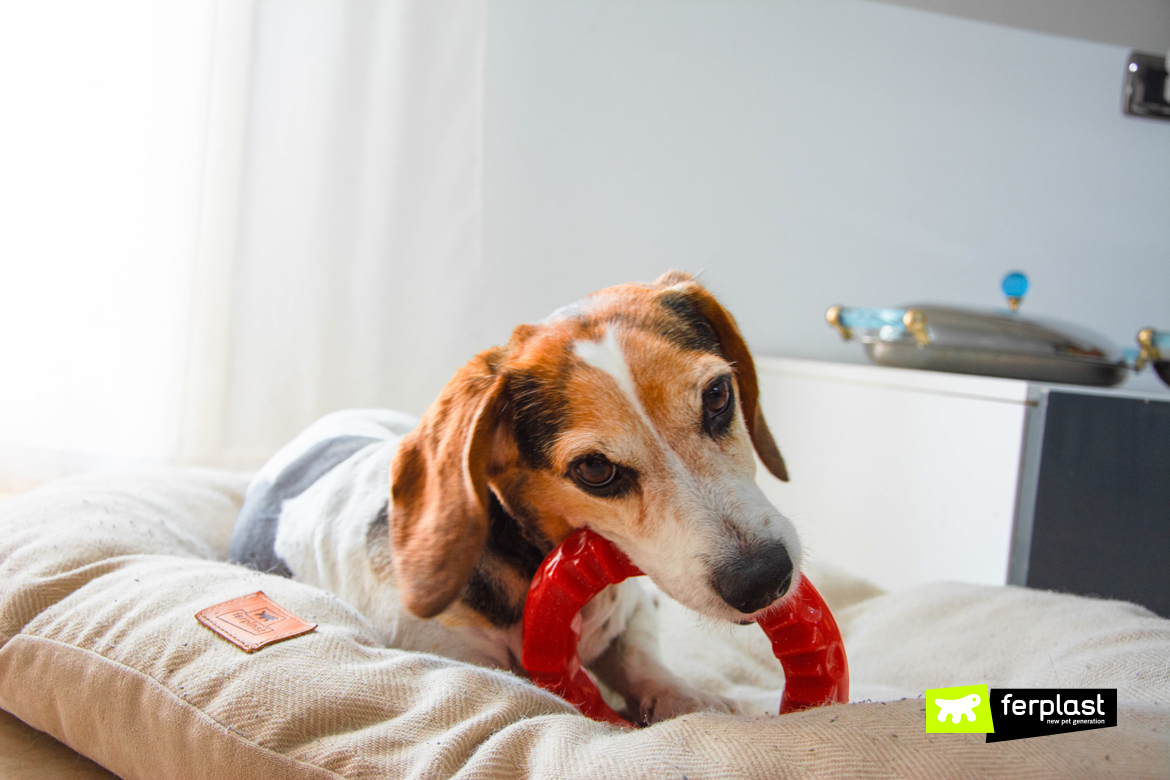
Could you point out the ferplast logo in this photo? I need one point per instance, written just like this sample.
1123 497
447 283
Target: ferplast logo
1021 713
965 709
1005 714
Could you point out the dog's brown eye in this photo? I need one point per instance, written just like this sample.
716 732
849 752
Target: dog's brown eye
717 397
595 471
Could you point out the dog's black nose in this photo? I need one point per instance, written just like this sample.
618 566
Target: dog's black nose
753 582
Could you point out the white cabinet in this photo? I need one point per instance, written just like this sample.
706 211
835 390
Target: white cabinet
898 476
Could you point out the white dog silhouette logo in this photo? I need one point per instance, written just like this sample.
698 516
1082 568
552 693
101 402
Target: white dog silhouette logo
957 708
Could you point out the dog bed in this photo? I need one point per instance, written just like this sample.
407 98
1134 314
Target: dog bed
101 577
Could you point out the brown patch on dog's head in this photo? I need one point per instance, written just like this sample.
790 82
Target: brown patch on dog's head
694 303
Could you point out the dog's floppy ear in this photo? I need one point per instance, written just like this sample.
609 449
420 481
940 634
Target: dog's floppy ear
736 352
439 490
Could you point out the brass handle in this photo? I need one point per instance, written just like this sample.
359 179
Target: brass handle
915 322
833 316
1148 351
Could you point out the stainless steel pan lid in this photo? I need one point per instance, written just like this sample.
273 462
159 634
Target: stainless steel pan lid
966 341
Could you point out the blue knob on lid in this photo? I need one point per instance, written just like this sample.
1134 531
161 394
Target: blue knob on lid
1015 286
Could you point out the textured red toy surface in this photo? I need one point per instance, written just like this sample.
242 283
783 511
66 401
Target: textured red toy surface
804 636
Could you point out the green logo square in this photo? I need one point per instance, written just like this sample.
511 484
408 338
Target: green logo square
962 710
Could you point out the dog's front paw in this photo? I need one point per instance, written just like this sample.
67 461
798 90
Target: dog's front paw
668 701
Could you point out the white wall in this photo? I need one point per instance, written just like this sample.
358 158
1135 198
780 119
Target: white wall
808 152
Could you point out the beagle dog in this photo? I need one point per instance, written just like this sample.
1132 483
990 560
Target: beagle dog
633 411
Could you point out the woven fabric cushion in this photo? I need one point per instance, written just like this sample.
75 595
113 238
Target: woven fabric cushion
101 578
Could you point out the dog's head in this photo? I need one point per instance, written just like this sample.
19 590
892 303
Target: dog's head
634 412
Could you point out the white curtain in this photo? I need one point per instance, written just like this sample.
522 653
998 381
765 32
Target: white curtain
358 259
322 225
102 125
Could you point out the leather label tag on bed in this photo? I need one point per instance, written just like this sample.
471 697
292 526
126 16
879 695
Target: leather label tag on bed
251 622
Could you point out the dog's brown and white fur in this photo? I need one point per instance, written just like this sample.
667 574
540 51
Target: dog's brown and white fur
633 412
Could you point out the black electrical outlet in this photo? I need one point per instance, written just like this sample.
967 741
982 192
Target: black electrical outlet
1145 86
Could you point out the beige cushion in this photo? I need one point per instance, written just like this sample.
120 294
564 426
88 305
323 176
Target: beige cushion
101 578
28 754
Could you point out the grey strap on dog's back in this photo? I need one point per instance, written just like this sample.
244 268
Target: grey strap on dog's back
254 537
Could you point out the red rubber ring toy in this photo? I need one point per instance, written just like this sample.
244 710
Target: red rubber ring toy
804 636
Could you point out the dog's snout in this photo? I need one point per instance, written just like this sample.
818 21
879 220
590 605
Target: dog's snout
753 582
